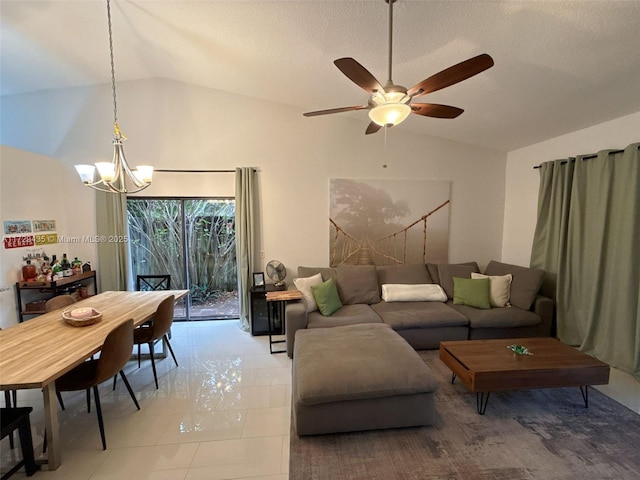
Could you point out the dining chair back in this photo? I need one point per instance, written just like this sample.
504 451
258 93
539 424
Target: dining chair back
17 418
158 329
114 355
153 282
10 395
58 302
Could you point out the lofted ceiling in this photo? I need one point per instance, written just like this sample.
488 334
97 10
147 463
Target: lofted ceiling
559 65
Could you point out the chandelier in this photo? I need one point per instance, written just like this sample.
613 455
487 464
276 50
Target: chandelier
115 176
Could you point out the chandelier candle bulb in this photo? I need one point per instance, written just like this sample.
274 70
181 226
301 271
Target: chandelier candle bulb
86 172
106 170
144 173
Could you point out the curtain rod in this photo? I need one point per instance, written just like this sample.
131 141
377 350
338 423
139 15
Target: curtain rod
584 157
161 170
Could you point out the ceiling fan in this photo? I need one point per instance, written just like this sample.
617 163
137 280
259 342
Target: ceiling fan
392 104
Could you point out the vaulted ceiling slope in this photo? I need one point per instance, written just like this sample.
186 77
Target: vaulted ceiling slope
559 65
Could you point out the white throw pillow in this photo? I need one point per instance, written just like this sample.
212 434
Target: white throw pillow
304 285
499 288
423 292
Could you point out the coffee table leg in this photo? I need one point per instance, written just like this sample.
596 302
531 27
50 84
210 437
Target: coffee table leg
585 395
453 378
482 398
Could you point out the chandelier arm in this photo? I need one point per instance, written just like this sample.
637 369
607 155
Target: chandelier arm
110 189
125 167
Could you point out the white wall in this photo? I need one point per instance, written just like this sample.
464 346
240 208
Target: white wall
34 187
522 181
177 126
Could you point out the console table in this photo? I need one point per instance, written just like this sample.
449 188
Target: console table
48 290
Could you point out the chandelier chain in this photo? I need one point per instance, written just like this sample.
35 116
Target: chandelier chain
113 70
115 175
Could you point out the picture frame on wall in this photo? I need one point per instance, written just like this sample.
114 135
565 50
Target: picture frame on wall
258 279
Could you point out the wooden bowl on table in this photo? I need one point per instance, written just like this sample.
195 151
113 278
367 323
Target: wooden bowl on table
81 317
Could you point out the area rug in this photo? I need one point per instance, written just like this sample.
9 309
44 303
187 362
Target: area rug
526 434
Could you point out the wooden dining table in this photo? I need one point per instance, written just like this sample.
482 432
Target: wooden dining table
33 354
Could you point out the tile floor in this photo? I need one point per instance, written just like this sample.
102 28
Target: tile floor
224 413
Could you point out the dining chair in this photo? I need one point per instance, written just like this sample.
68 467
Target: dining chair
149 334
10 395
146 283
114 355
17 418
58 302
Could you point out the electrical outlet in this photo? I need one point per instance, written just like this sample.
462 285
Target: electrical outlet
261 253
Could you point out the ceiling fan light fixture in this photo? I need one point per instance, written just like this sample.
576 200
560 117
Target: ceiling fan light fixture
390 113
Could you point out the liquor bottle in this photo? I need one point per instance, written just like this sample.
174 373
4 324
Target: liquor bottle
66 266
76 266
56 270
29 272
65 262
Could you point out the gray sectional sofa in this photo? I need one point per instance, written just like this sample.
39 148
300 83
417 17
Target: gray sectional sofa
425 323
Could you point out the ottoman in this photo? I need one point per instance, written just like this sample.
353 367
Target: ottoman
358 377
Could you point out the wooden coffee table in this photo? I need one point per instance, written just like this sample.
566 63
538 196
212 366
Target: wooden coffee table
486 366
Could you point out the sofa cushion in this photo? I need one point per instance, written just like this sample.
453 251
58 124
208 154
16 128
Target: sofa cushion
326 272
403 274
405 315
499 288
327 298
358 284
497 317
347 315
471 292
525 283
304 285
432 270
425 292
446 272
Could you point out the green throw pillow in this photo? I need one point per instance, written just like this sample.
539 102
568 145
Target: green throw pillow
471 292
327 298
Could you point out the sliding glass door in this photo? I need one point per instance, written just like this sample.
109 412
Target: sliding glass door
193 241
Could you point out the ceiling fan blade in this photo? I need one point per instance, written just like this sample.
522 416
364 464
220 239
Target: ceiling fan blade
436 110
372 128
358 74
452 75
334 110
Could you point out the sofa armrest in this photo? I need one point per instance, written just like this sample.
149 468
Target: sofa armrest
544 308
295 317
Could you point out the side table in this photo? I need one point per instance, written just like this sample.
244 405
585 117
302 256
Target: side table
281 298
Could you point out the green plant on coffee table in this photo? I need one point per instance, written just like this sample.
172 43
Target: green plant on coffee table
519 349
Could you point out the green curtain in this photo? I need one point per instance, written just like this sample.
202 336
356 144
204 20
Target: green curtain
113 253
245 228
587 239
